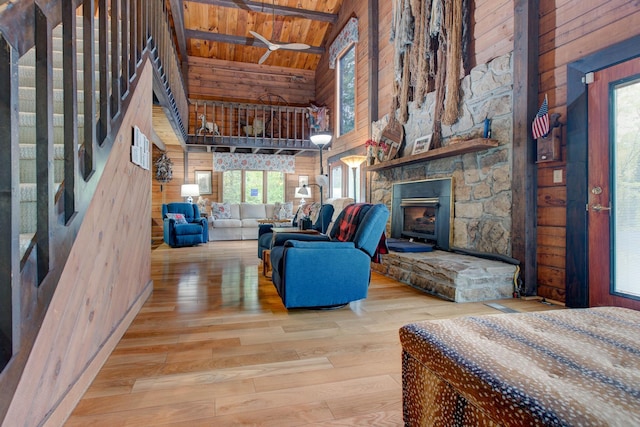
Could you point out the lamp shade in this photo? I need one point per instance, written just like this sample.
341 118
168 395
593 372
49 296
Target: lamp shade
353 161
321 138
189 190
301 192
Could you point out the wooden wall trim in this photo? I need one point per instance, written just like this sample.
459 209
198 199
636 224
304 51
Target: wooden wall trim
524 179
577 277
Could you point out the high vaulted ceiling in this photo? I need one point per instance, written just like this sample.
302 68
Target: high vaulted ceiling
220 29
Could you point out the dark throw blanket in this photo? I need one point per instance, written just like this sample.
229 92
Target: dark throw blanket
349 225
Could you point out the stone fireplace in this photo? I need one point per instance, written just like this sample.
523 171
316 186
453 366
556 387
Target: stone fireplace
480 181
480 194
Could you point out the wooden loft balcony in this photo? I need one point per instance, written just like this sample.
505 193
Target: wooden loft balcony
217 126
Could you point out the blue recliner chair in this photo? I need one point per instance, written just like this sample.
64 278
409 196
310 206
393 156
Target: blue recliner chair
195 231
322 223
318 271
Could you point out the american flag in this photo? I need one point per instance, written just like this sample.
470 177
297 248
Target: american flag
540 125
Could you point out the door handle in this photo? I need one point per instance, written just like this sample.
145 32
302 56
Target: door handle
598 207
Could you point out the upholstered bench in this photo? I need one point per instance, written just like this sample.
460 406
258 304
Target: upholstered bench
565 367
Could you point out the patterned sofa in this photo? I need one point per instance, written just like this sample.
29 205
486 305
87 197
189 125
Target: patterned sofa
552 368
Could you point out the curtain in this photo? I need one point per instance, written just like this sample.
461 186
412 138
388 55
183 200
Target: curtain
261 162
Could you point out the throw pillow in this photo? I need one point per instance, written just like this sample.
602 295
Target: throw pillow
310 210
283 210
178 217
221 210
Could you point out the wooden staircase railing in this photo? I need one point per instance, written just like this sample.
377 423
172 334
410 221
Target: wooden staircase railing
140 31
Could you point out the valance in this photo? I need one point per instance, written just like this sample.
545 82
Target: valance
262 162
348 35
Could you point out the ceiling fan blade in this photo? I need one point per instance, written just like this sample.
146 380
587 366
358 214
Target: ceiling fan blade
295 46
265 56
262 39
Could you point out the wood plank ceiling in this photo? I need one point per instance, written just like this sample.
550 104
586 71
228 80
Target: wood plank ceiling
220 29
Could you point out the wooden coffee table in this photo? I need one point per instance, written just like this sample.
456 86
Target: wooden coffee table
274 221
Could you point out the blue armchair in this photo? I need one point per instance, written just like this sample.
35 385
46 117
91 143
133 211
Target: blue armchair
195 231
322 223
322 271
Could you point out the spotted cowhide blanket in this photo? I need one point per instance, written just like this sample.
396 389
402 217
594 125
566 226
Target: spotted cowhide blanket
553 368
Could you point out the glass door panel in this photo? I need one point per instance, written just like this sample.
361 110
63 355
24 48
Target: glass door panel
625 173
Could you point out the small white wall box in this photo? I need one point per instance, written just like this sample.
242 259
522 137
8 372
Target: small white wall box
140 149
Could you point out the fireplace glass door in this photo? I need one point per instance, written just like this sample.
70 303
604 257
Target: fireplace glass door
419 218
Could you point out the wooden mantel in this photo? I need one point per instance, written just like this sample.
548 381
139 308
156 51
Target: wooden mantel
453 149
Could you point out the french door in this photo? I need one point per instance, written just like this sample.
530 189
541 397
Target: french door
614 186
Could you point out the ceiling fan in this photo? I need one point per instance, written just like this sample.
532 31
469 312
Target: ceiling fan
275 46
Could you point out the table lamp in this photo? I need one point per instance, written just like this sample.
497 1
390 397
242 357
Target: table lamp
301 193
189 190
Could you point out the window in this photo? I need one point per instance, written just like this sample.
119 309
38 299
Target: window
232 186
252 186
275 187
336 181
346 79
342 182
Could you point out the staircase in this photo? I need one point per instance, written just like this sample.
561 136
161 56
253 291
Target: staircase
46 198
27 133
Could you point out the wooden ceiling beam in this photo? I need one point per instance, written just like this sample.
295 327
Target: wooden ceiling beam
279 10
246 41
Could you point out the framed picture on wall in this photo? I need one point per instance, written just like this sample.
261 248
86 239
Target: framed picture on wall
421 144
303 180
203 179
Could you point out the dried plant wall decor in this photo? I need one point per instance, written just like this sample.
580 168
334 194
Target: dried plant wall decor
431 40
164 169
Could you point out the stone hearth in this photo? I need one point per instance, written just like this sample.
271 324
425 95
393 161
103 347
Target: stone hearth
454 277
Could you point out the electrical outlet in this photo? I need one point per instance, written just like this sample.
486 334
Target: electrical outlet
557 176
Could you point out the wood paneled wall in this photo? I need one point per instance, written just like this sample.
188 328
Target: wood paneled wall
569 30
492 30
242 82
106 279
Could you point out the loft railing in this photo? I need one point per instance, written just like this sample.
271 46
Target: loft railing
128 32
217 122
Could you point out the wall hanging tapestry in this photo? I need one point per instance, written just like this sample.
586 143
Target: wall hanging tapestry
261 162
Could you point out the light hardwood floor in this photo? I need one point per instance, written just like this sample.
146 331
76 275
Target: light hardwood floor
214 346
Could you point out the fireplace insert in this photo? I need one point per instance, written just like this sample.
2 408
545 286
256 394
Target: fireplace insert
423 211
419 218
